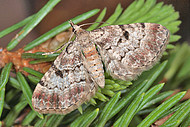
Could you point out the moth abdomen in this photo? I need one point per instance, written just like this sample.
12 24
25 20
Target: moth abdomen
94 64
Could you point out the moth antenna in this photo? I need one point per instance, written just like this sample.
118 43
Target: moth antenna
59 49
72 24
93 23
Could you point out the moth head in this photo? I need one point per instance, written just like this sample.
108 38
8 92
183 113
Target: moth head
76 29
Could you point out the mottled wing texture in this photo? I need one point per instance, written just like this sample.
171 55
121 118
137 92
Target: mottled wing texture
128 50
65 86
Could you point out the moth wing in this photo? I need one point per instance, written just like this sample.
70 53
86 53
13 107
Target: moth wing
128 50
65 86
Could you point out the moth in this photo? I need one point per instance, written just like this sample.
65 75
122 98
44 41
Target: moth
75 75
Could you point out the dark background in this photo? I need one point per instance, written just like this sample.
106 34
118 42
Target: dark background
13 11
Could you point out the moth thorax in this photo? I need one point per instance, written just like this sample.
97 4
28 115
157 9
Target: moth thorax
83 38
